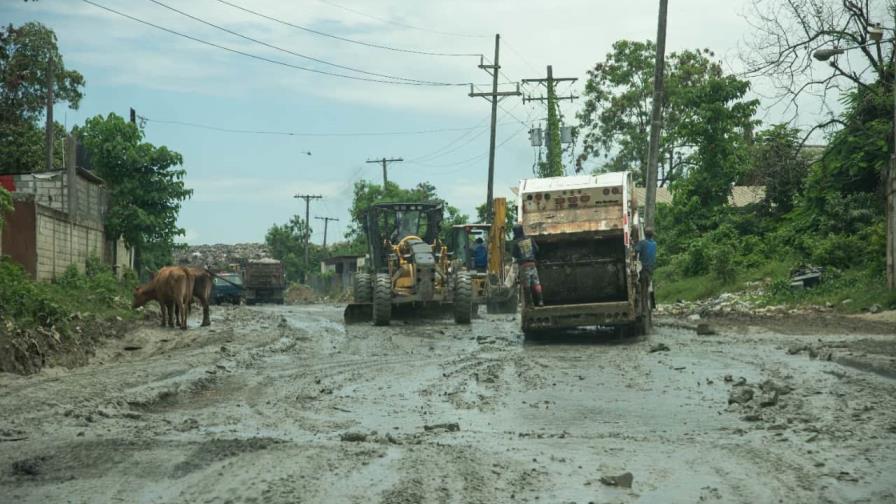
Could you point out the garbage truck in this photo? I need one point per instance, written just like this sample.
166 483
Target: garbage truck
586 228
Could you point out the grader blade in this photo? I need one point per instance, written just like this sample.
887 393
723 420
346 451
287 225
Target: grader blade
356 313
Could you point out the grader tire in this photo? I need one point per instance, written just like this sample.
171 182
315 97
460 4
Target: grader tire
362 288
463 298
382 299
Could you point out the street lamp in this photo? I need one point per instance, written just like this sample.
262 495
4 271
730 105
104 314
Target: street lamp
876 33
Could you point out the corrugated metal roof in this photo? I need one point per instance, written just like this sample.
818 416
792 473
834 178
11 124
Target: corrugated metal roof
740 195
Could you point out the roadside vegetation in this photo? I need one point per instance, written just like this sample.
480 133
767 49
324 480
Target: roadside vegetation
823 205
59 322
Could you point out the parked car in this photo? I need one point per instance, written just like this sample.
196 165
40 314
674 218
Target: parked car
228 288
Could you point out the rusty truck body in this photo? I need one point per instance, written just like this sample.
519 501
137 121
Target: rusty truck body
263 281
586 228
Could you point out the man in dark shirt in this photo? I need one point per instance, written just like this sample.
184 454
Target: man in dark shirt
524 252
480 255
646 250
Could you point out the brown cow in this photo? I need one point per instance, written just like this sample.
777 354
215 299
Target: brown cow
172 287
202 290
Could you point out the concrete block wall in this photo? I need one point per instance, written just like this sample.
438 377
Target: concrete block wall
61 242
48 189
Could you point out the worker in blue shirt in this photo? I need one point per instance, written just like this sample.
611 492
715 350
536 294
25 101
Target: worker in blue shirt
480 255
646 250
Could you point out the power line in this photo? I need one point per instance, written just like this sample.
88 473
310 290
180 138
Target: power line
403 25
307 134
262 58
466 162
287 51
344 39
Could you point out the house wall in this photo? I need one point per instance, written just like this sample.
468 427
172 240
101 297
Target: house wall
19 239
62 242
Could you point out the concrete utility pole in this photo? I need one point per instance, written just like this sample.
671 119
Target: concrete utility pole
494 97
307 198
656 118
890 198
385 162
555 165
51 73
326 221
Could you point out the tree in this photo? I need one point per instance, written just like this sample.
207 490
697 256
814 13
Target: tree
787 35
777 164
25 54
287 244
5 205
145 188
368 193
615 120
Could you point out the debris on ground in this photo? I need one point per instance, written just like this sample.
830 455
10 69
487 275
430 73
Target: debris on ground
353 437
740 395
659 347
704 329
449 427
623 480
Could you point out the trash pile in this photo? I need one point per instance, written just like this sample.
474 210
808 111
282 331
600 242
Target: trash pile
221 257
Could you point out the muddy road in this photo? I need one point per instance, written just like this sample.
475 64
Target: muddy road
285 404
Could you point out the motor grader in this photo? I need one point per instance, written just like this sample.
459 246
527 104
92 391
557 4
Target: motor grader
408 269
493 285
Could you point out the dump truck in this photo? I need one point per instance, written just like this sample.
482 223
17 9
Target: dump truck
407 268
263 281
586 228
492 285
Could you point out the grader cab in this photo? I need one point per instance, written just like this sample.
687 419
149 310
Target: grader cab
493 284
408 267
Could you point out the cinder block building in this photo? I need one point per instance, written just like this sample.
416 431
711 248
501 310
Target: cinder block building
57 221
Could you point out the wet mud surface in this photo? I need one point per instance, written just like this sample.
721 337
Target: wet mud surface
286 404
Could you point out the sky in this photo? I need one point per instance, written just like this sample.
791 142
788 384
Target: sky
243 182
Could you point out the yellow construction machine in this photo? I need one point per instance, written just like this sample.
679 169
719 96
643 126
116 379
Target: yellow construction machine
492 283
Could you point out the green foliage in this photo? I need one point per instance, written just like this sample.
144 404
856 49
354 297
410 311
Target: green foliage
145 188
861 287
37 304
777 164
553 167
368 193
615 119
25 52
287 244
5 205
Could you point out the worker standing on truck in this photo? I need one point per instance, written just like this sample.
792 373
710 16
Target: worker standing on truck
646 250
480 255
524 252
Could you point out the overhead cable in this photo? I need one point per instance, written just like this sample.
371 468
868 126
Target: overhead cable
281 49
344 39
309 134
269 60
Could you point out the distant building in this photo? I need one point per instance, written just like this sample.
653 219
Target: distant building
58 220
741 196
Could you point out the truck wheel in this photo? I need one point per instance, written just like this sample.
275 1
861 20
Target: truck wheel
382 299
362 288
463 298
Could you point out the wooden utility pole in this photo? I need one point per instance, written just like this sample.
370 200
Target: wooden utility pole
890 198
385 162
51 73
326 221
656 117
307 198
555 165
494 97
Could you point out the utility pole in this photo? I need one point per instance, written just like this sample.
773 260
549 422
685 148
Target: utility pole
656 117
494 97
385 162
133 116
51 72
555 165
326 221
307 198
